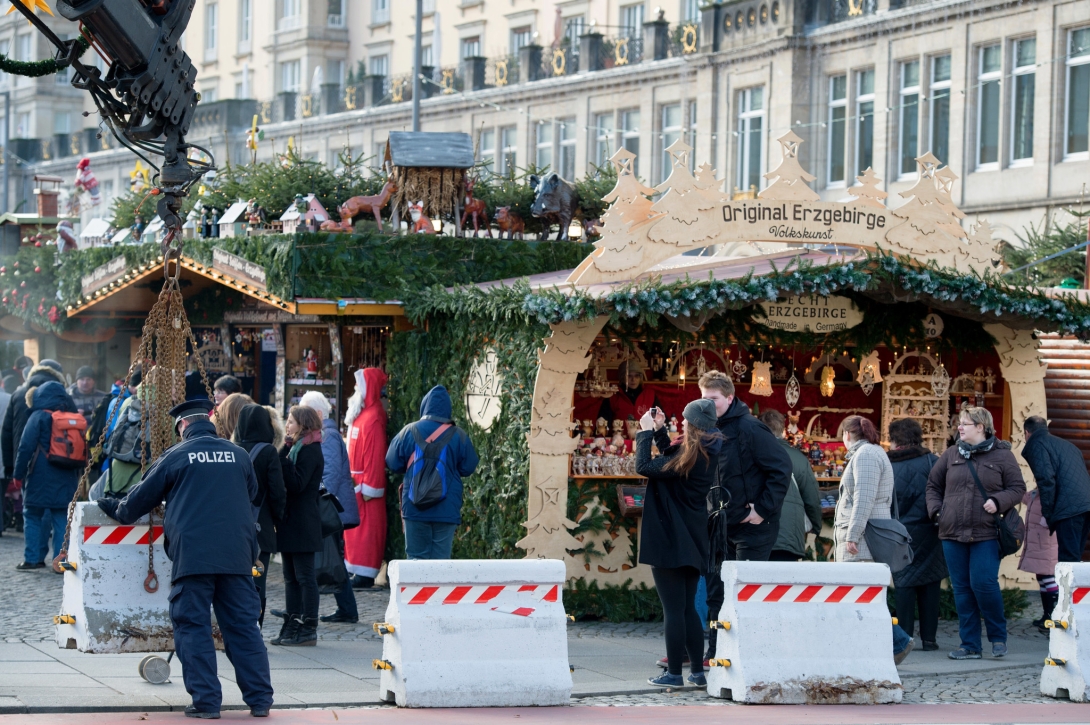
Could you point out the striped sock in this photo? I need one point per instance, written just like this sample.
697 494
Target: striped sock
1048 583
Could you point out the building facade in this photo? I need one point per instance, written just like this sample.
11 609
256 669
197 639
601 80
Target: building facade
998 90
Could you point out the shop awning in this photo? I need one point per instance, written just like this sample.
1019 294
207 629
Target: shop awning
348 307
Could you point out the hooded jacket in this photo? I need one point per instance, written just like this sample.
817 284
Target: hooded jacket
335 476
954 501
753 465
1041 550
255 426
366 421
1061 476
435 410
801 512
45 485
86 404
911 467
15 417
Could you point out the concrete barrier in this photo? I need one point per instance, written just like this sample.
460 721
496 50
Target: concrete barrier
1067 666
804 633
475 634
105 607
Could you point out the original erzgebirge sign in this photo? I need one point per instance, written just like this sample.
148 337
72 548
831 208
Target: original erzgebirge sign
241 269
811 313
103 275
794 221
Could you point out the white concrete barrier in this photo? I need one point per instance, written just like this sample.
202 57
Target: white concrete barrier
104 598
804 633
475 633
1067 666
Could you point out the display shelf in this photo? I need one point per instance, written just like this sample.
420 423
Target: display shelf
923 381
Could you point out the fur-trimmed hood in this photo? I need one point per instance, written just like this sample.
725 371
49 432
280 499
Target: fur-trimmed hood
40 375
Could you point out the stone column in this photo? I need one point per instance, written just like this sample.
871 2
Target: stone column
590 52
529 63
656 39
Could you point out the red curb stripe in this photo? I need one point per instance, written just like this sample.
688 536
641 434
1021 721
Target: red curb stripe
528 587
489 594
524 611
423 595
1079 594
88 532
553 594
838 594
777 592
117 535
868 596
808 593
747 592
456 596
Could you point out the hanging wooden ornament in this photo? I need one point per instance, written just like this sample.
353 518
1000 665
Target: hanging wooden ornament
870 372
762 379
828 384
792 391
739 368
940 382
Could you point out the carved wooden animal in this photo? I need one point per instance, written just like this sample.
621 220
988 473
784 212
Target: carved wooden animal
509 223
421 224
362 204
556 201
475 208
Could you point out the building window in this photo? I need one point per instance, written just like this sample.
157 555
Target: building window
520 38
989 77
22 47
335 72
245 24
335 17
632 20
486 150
290 74
209 94
380 12
211 30
425 57
690 11
692 135
508 150
1024 77
603 139
379 65
471 47
939 121
630 135
291 16
573 28
672 126
908 148
1077 118
22 125
566 161
544 159
750 137
864 120
62 122
838 128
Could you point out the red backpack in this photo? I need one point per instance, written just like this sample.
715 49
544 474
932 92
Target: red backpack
67 445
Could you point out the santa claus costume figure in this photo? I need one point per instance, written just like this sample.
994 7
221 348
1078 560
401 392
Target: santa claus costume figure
366 422
86 181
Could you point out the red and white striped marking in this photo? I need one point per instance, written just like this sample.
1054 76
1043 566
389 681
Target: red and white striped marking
109 535
808 594
479 594
1079 594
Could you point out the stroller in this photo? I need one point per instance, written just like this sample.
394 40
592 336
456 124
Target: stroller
13 506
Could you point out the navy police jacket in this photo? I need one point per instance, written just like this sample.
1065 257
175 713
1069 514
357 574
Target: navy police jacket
208 484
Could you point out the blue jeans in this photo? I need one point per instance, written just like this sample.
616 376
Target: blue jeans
36 529
346 599
900 640
702 602
974 577
428 539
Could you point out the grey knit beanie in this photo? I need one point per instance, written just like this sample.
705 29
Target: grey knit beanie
701 414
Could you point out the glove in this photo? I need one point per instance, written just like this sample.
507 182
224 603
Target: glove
109 506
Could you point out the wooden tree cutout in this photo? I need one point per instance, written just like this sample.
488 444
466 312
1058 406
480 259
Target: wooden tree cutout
790 178
867 191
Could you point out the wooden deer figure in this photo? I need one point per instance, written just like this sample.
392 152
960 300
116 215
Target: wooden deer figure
475 208
361 204
421 224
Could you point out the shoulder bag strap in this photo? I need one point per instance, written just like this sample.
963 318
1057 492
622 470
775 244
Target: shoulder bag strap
980 487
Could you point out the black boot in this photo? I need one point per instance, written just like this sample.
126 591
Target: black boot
305 635
1048 603
287 632
261 617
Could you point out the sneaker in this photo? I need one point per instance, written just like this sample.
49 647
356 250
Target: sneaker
662 663
340 616
362 582
259 712
27 566
930 646
999 649
964 654
192 711
899 657
666 680
697 679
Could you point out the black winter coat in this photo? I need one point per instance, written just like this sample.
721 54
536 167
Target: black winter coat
753 465
18 413
675 508
300 531
1061 476
911 467
255 426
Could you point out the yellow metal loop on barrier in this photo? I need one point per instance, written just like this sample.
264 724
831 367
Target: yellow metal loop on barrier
381 665
67 565
719 625
571 617
895 621
1055 662
64 619
382 628
719 663
1054 623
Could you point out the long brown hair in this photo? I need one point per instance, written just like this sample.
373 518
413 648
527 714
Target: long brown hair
693 445
226 415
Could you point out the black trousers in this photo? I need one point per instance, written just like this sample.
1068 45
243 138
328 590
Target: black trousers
300 584
1071 536
924 596
745 542
684 631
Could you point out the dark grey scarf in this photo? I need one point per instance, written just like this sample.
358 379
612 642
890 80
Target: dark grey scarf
984 446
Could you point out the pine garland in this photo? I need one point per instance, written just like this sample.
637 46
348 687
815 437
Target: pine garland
39 68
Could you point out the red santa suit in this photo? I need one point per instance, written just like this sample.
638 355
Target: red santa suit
366 421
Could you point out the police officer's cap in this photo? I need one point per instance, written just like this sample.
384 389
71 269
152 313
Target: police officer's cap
192 407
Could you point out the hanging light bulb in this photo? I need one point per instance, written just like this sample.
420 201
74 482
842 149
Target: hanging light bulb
828 375
762 379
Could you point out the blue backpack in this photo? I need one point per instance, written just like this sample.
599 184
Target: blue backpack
426 474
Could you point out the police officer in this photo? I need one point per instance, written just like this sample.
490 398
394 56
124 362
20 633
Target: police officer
208 484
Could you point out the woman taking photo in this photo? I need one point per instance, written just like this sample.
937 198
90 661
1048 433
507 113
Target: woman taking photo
968 527
299 534
866 489
674 538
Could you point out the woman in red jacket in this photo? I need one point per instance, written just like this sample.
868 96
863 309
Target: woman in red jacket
365 545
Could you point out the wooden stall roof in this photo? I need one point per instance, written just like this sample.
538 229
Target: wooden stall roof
348 307
133 297
430 150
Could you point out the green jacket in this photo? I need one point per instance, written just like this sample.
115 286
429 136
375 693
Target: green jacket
803 501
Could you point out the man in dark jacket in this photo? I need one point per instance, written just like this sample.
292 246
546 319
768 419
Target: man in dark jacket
1064 486
47 489
801 513
15 417
754 472
209 486
84 393
918 583
429 532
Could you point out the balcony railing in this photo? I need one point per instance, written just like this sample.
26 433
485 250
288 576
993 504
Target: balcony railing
289 22
335 21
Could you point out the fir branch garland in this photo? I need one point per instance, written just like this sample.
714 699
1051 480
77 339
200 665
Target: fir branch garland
39 68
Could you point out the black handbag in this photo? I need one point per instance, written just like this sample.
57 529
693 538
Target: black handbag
329 563
889 541
1009 527
329 510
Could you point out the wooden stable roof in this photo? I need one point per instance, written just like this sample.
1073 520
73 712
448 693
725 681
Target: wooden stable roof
134 295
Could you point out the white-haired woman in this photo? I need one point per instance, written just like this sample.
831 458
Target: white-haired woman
337 479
